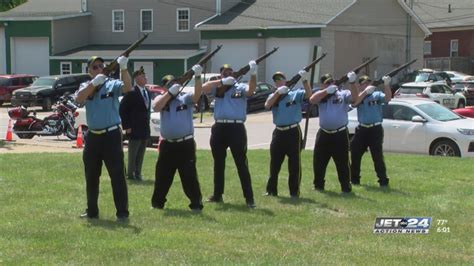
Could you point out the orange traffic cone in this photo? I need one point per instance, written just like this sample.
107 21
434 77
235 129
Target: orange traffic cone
79 142
9 136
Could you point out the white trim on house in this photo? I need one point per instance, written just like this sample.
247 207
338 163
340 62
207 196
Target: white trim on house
204 21
69 64
178 20
113 20
342 11
141 20
45 18
131 57
415 17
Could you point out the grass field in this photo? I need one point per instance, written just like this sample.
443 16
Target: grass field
42 195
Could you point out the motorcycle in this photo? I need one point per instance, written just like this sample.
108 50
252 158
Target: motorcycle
61 121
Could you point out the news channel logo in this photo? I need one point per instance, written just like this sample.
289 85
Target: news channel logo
402 225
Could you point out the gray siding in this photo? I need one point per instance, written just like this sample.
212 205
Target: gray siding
68 34
164 21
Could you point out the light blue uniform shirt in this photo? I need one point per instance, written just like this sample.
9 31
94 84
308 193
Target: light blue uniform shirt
177 118
102 111
370 109
288 110
233 106
333 112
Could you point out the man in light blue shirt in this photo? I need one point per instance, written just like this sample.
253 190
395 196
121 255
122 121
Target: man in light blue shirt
104 137
178 148
332 139
286 138
229 131
369 133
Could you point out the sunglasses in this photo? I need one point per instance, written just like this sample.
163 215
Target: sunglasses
95 67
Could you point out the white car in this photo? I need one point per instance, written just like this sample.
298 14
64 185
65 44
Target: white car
206 99
155 123
436 91
421 126
456 76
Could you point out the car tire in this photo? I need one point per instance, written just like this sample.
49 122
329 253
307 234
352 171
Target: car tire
445 148
461 104
47 104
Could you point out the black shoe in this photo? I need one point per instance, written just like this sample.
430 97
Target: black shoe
122 219
383 182
318 188
215 199
160 207
86 215
346 190
270 194
355 181
251 204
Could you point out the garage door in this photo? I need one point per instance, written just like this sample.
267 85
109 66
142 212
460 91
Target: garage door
30 55
293 55
3 61
148 67
237 53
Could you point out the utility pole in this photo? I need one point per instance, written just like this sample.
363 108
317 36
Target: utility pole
408 35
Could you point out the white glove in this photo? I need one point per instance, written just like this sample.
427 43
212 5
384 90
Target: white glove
99 80
173 90
197 70
369 90
228 81
123 62
352 76
386 80
304 75
283 90
253 67
331 89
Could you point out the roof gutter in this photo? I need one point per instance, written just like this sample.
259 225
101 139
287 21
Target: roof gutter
218 13
415 18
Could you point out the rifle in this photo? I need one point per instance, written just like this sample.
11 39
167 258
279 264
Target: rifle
113 65
344 78
184 79
392 73
221 90
292 82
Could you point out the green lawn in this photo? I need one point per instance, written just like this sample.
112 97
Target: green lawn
41 196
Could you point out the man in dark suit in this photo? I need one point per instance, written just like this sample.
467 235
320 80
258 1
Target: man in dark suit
135 114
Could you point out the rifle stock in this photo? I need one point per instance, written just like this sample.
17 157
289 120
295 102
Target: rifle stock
393 72
242 71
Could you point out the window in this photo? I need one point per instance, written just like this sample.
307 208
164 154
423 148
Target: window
146 19
16 82
427 48
403 113
182 19
454 48
118 20
84 68
66 68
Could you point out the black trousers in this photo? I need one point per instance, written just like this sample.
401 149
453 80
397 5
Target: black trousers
233 136
335 145
106 147
371 138
179 156
285 143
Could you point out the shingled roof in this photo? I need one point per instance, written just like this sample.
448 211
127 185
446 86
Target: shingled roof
255 14
437 14
37 9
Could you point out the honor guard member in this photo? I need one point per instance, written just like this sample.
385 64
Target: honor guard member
286 138
135 114
104 138
332 139
229 131
178 148
369 133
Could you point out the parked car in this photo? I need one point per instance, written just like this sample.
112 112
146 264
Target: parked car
438 92
257 100
422 75
10 83
155 123
466 112
467 89
456 76
155 90
417 125
46 90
